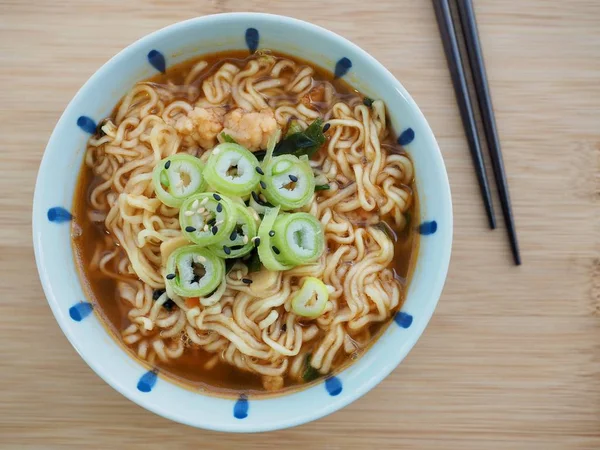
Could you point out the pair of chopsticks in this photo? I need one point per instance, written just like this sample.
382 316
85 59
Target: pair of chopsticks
457 71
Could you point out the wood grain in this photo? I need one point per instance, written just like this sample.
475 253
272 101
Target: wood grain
511 359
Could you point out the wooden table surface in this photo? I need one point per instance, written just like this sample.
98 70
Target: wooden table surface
511 358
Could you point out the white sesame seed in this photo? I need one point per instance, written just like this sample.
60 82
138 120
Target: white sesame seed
189 213
203 202
216 151
205 228
201 259
219 222
201 210
245 239
195 204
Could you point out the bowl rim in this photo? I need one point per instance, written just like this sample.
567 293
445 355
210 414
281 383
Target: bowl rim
106 373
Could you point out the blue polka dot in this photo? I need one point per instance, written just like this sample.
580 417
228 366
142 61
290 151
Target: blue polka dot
406 137
333 386
403 319
240 409
157 60
59 214
427 228
252 39
80 311
86 124
342 67
147 381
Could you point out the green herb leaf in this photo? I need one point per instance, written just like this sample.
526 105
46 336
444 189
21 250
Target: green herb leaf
310 373
228 138
368 101
322 187
305 142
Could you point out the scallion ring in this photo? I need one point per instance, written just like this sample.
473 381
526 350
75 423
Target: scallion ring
239 241
177 177
265 251
299 238
290 182
231 169
207 218
194 271
310 301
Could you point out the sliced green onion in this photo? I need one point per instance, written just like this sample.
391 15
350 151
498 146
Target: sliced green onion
207 218
242 234
310 301
176 178
265 248
231 169
227 138
290 182
194 271
271 143
298 237
322 187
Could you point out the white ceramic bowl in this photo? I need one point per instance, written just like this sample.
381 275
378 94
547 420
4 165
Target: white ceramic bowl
56 183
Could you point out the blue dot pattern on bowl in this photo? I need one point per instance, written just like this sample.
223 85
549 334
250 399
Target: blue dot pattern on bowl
406 137
147 381
252 39
427 228
157 60
404 320
342 67
86 124
333 386
80 311
240 409
58 214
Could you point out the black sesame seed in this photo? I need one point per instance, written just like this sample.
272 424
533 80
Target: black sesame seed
284 326
259 170
211 222
271 233
219 208
247 280
276 250
257 242
169 304
190 229
167 164
227 250
326 127
255 197
214 230
157 293
171 276
233 235
217 197
263 184
294 178
368 102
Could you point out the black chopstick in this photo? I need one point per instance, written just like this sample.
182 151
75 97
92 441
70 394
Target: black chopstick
469 28
447 31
